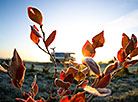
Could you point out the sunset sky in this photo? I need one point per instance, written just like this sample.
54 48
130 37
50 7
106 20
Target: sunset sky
75 22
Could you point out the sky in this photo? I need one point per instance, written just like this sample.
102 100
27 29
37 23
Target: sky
75 22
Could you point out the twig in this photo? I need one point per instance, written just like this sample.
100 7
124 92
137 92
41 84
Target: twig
42 32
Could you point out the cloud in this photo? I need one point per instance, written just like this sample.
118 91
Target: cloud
125 23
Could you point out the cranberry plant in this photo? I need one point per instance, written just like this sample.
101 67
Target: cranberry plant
79 72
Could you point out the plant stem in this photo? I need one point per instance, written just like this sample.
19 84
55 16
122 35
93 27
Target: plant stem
54 60
75 89
42 32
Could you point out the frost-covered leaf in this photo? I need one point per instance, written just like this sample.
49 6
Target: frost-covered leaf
72 70
79 97
35 15
104 81
100 92
62 75
50 39
84 83
61 83
125 40
69 78
86 70
35 35
88 50
98 40
134 53
60 91
34 87
111 68
80 76
131 45
121 55
92 65
66 99
126 64
3 69
17 70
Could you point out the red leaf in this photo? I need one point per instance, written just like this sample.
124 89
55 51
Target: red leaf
126 64
67 93
121 55
50 39
69 78
80 76
17 70
79 97
60 91
34 87
34 35
125 40
135 40
88 50
131 45
35 15
84 83
92 65
20 75
61 83
104 81
134 53
62 75
66 99
98 40
72 70
111 68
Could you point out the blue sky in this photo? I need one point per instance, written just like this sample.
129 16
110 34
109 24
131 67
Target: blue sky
75 21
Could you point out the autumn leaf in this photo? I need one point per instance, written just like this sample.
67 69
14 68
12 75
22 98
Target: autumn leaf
121 55
35 15
126 64
88 50
84 83
60 91
50 39
125 40
69 78
98 40
111 68
131 45
68 92
104 81
66 99
100 92
80 76
72 70
79 97
62 75
135 40
86 70
17 70
94 67
3 69
134 53
61 83
35 34
34 87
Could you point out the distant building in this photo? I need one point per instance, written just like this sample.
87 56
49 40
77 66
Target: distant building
63 57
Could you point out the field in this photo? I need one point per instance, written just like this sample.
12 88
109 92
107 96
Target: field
124 87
